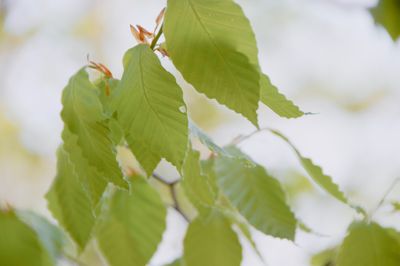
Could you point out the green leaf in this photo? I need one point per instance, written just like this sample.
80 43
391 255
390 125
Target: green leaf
205 139
211 241
19 244
369 245
257 196
89 177
195 183
51 237
326 257
69 202
177 262
212 44
318 176
277 102
131 225
387 14
84 117
150 110
243 226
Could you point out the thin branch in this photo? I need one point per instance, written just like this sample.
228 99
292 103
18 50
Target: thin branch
172 188
242 138
389 190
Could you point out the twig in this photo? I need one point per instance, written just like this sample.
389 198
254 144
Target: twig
389 190
172 188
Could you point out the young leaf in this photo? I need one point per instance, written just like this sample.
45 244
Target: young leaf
369 245
195 183
257 196
19 244
276 101
212 44
69 203
211 241
84 117
131 225
387 14
150 110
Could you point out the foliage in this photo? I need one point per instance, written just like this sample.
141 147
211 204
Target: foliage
95 197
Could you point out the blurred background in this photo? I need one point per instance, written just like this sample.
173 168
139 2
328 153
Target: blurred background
326 55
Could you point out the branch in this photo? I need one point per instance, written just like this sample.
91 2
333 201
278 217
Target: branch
155 40
172 188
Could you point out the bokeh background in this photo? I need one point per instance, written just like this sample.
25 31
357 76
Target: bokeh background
326 55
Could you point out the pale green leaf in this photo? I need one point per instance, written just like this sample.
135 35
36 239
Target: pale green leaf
212 44
257 196
387 14
205 139
369 245
131 225
276 101
211 241
326 257
316 173
69 203
51 236
150 110
84 117
19 244
195 183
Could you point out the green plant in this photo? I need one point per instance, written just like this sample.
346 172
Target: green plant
94 196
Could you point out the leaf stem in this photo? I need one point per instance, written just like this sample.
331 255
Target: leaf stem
156 38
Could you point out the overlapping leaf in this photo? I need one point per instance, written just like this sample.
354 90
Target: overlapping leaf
257 196
195 183
212 44
211 241
69 202
151 111
51 236
84 118
88 176
131 225
387 14
369 245
276 101
19 244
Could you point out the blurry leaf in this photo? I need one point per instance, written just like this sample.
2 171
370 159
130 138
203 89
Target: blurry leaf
69 203
387 14
177 262
276 101
195 183
19 244
396 206
369 245
151 111
326 257
131 225
258 196
212 44
211 241
84 117
316 173
51 237
205 139
243 226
